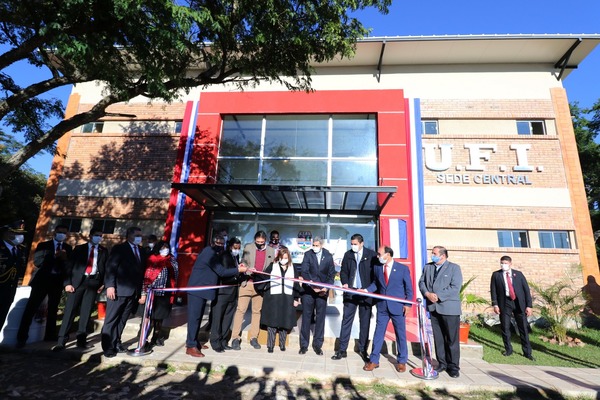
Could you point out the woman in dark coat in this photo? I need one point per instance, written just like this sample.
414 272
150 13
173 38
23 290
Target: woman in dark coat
280 299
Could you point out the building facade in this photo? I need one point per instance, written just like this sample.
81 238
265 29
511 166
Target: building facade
465 142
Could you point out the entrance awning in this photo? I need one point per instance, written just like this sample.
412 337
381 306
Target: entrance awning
359 200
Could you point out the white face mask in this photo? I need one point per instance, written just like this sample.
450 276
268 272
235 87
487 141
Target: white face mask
164 252
60 237
283 261
96 239
316 249
137 240
151 245
382 260
355 248
505 267
18 239
235 252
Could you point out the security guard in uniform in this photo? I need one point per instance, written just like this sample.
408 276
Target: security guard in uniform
12 264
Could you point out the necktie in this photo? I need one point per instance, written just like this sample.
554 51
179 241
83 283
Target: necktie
90 262
511 289
357 281
14 251
386 274
137 253
58 247
437 271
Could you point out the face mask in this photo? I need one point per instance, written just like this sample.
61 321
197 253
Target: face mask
151 245
18 239
274 241
235 252
435 259
60 237
217 248
316 249
164 252
382 260
355 248
259 246
283 261
137 240
96 239
505 267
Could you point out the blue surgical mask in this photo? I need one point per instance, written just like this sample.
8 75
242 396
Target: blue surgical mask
137 240
96 239
435 259
60 237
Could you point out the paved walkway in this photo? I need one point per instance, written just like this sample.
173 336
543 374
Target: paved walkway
476 374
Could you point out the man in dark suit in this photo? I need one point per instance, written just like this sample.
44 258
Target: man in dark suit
357 273
206 272
256 256
317 266
84 280
12 265
123 281
50 260
511 297
440 284
391 279
222 308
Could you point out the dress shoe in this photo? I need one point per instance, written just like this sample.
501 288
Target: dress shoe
158 342
318 351
236 344
121 349
440 368
58 347
303 350
454 374
193 351
339 355
370 366
254 343
84 345
507 353
227 347
365 355
219 350
110 353
400 367
530 357
269 349
282 348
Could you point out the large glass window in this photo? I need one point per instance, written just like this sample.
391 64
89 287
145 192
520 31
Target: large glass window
513 239
314 150
554 240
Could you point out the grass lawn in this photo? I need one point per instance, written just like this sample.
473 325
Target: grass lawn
544 353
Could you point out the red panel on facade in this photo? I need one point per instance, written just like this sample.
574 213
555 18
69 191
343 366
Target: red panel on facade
391 128
393 162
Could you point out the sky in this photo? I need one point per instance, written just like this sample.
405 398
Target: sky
465 17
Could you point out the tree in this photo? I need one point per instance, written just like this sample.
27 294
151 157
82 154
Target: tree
586 123
156 48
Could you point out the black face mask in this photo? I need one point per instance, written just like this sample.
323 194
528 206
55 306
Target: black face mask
259 246
217 249
274 241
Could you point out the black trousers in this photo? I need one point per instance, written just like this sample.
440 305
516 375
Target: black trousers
195 311
222 310
364 317
117 313
313 303
51 287
512 309
83 299
445 335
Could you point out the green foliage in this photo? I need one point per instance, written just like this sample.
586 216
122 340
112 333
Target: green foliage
470 301
559 304
159 48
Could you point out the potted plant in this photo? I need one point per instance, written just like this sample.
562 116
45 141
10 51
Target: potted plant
468 301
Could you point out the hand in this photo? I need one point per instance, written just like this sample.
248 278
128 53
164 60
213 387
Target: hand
100 289
497 310
323 292
249 271
300 278
111 293
345 286
69 288
242 268
142 299
406 310
432 297
528 311
363 290
296 303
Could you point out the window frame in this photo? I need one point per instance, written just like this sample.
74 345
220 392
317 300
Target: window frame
103 228
531 128
512 232
552 237
426 122
69 222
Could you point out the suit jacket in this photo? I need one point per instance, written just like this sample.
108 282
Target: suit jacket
11 267
249 255
45 260
399 285
228 262
77 264
365 269
206 271
498 290
313 270
446 286
123 270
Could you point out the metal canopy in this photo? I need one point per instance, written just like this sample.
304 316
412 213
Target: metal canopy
360 200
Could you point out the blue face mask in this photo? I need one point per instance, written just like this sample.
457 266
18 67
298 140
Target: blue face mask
436 259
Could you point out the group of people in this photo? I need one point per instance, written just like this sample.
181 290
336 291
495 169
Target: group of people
261 276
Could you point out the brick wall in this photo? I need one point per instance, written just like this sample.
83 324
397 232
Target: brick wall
487 108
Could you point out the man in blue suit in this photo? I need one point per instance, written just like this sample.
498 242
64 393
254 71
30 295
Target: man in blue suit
206 272
391 279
